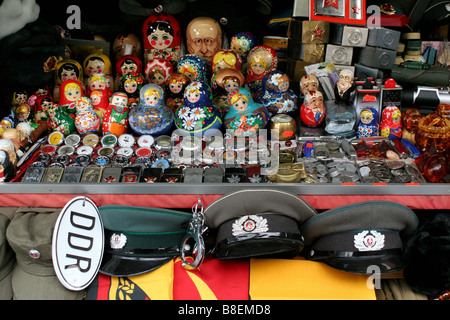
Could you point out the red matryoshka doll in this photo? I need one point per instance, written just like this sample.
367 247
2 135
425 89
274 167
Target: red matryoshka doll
174 90
66 70
100 101
132 84
162 38
226 59
98 63
126 44
43 103
260 60
204 37
391 123
115 118
41 91
86 120
157 71
69 92
127 64
99 81
312 111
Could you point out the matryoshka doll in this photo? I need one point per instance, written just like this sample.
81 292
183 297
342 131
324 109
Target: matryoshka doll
162 38
127 64
60 120
100 101
151 116
86 120
198 115
174 90
42 105
115 118
242 43
99 82
66 70
309 82
204 37
312 111
132 84
223 82
368 124
275 94
23 112
391 123
69 92
225 59
246 117
126 44
260 60
157 71
19 97
98 63
194 67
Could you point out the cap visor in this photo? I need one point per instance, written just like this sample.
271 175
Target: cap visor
367 265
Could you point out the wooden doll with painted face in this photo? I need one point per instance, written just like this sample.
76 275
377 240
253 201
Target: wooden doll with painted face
127 64
60 120
162 38
98 63
242 43
43 103
194 67
309 83
157 71
226 59
69 92
131 84
151 116
368 124
115 118
345 88
204 37
391 123
99 82
223 82
260 60
66 70
174 90
312 112
86 120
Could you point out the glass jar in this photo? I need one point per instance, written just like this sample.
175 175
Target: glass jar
433 131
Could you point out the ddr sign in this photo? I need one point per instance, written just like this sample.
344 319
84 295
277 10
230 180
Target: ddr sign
78 242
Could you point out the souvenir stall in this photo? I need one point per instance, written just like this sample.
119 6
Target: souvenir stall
190 150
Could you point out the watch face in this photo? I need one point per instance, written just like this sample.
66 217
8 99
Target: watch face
91 140
109 140
126 140
66 149
73 140
56 138
126 151
85 150
146 141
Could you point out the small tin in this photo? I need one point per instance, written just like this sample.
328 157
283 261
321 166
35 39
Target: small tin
92 174
145 141
106 151
191 143
38 164
91 140
85 151
73 140
49 149
162 154
56 138
111 175
52 175
72 174
125 151
33 175
110 140
66 149
126 140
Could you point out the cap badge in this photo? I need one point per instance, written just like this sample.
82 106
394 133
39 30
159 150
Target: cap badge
35 254
118 241
369 241
249 224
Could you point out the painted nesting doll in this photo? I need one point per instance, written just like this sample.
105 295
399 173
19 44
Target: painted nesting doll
131 84
204 37
391 123
69 92
198 114
242 43
312 111
194 67
126 44
260 60
151 116
99 81
127 64
100 101
157 71
86 120
66 70
275 94
368 124
174 90
98 63
223 82
246 117
115 118
42 105
60 120
162 38
309 82
19 97
226 59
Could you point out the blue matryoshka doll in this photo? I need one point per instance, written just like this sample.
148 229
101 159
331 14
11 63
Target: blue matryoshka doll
242 43
194 67
246 117
151 116
275 94
198 114
368 124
